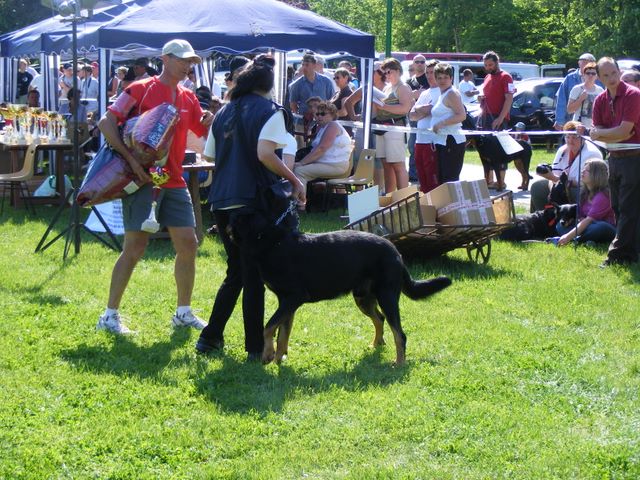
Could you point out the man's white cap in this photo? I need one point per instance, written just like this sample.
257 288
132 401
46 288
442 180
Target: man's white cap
181 49
588 57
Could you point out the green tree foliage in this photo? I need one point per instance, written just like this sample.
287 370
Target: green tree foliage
519 30
15 14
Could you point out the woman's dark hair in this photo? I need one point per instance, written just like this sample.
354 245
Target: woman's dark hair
256 76
342 72
130 76
599 172
391 64
443 68
383 75
72 93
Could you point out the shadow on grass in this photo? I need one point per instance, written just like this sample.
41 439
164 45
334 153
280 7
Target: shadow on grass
37 294
251 387
121 356
456 268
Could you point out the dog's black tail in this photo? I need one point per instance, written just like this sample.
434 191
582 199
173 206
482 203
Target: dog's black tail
422 288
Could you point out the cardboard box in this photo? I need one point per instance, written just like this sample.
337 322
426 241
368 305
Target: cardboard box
460 216
385 200
502 210
468 216
486 215
403 193
449 196
428 212
479 191
389 198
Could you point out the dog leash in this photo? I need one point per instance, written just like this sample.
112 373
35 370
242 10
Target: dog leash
291 209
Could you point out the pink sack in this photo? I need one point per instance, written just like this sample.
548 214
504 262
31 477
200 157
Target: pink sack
148 136
109 177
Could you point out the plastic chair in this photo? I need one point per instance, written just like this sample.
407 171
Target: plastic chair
324 180
19 179
361 178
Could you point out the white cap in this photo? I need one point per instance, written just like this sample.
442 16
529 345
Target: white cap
181 49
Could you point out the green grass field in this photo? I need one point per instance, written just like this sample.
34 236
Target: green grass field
525 368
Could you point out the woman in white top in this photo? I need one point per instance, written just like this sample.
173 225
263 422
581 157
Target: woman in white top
391 147
581 96
446 120
570 159
329 157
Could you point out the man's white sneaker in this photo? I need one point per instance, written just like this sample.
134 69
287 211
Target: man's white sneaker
187 320
112 323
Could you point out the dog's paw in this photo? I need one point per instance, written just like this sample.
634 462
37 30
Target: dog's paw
267 357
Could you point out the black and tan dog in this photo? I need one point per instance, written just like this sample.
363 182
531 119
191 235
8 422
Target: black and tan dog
541 224
492 154
302 268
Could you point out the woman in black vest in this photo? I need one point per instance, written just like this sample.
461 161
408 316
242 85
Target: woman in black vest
244 139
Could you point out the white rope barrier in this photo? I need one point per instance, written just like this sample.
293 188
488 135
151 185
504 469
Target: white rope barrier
403 129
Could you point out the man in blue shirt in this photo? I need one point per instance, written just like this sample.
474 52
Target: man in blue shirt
310 84
570 81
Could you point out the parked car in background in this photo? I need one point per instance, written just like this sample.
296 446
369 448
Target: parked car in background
628 64
534 103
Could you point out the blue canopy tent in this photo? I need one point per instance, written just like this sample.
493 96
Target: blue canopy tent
232 26
142 27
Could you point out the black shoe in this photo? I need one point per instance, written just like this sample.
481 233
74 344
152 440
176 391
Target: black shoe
212 230
205 346
254 357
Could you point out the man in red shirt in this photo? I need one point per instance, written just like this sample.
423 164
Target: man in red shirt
616 119
495 101
175 210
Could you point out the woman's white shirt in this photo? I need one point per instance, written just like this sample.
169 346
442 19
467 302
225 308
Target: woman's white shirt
561 161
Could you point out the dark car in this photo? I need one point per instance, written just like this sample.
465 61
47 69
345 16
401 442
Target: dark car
534 103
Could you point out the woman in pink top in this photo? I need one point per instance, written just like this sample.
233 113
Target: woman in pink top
597 220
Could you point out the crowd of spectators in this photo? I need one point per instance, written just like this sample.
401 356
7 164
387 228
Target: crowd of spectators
429 100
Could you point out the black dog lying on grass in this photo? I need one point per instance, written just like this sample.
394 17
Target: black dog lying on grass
301 268
541 224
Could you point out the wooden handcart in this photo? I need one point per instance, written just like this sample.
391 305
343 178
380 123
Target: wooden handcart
402 223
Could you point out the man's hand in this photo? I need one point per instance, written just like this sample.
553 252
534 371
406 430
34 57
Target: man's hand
138 170
497 123
298 194
207 118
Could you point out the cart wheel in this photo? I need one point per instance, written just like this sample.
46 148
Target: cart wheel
479 252
380 230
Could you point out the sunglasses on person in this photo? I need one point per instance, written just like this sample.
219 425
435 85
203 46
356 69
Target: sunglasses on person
321 114
419 61
590 72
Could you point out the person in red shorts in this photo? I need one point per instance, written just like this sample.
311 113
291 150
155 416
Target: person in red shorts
175 210
495 101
